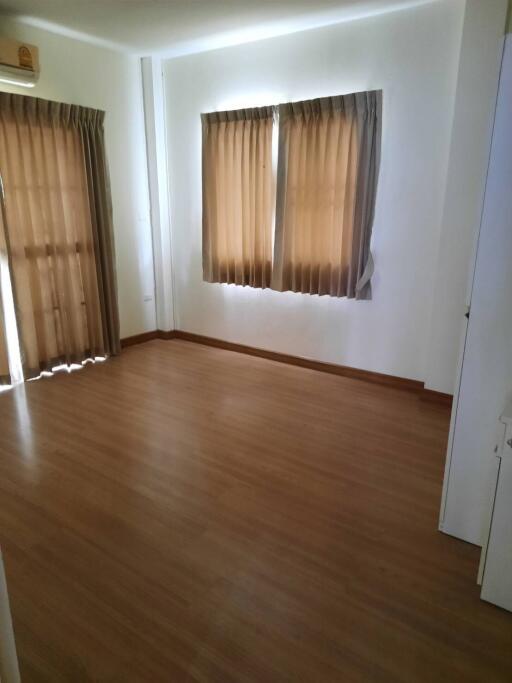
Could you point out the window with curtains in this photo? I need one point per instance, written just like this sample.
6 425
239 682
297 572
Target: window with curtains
56 233
308 227
238 196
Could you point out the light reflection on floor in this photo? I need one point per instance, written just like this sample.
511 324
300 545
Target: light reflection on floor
24 426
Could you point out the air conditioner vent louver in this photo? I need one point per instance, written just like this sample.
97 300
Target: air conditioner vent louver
19 63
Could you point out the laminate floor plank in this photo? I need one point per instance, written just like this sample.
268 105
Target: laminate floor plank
189 514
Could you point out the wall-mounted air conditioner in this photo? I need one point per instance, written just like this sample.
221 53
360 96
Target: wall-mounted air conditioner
19 63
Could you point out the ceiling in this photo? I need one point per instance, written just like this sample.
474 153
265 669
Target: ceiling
175 27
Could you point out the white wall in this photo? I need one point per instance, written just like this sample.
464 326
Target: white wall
412 326
477 86
156 146
80 73
413 56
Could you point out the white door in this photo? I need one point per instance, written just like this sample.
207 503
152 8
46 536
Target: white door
9 671
497 555
486 376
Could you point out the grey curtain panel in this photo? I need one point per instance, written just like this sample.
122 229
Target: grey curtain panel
5 377
58 231
328 163
100 205
238 196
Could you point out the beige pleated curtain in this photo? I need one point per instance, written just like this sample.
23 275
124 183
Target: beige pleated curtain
328 165
58 231
327 176
238 196
5 377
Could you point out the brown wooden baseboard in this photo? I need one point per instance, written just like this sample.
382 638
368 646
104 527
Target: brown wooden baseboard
332 368
436 396
139 338
169 334
147 336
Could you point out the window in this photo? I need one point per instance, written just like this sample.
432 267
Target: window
56 233
238 196
324 195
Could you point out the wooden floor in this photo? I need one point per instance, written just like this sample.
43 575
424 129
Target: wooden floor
183 513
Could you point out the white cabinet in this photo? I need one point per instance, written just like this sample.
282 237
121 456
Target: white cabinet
496 566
